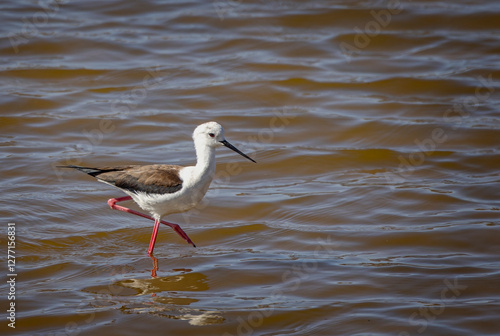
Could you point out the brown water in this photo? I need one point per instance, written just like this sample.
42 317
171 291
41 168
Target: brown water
373 209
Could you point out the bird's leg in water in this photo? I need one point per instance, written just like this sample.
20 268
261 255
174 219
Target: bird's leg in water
112 203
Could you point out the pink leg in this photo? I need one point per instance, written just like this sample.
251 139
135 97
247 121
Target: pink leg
112 203
153 237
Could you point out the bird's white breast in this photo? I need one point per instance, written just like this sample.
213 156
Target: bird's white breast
195 184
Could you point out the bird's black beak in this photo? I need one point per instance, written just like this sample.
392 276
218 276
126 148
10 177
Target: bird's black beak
228 145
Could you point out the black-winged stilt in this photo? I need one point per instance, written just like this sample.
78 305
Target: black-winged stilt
164 189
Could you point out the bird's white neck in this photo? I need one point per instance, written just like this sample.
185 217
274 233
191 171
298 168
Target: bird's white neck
205 157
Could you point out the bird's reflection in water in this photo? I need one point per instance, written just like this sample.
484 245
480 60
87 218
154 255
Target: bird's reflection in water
177 294
155 266
169 296
186 281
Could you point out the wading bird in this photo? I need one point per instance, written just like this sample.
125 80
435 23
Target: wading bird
162 189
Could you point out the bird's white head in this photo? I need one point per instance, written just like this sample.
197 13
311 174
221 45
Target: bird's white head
211 134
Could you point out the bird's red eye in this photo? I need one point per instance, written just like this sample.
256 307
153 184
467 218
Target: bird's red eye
211 135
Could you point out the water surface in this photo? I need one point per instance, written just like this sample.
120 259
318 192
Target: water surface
373 208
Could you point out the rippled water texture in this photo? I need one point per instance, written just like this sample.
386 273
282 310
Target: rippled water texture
373 208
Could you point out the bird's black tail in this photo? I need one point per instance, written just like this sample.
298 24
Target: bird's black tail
87 170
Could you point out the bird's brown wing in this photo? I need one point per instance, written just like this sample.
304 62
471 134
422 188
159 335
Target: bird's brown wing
151 179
